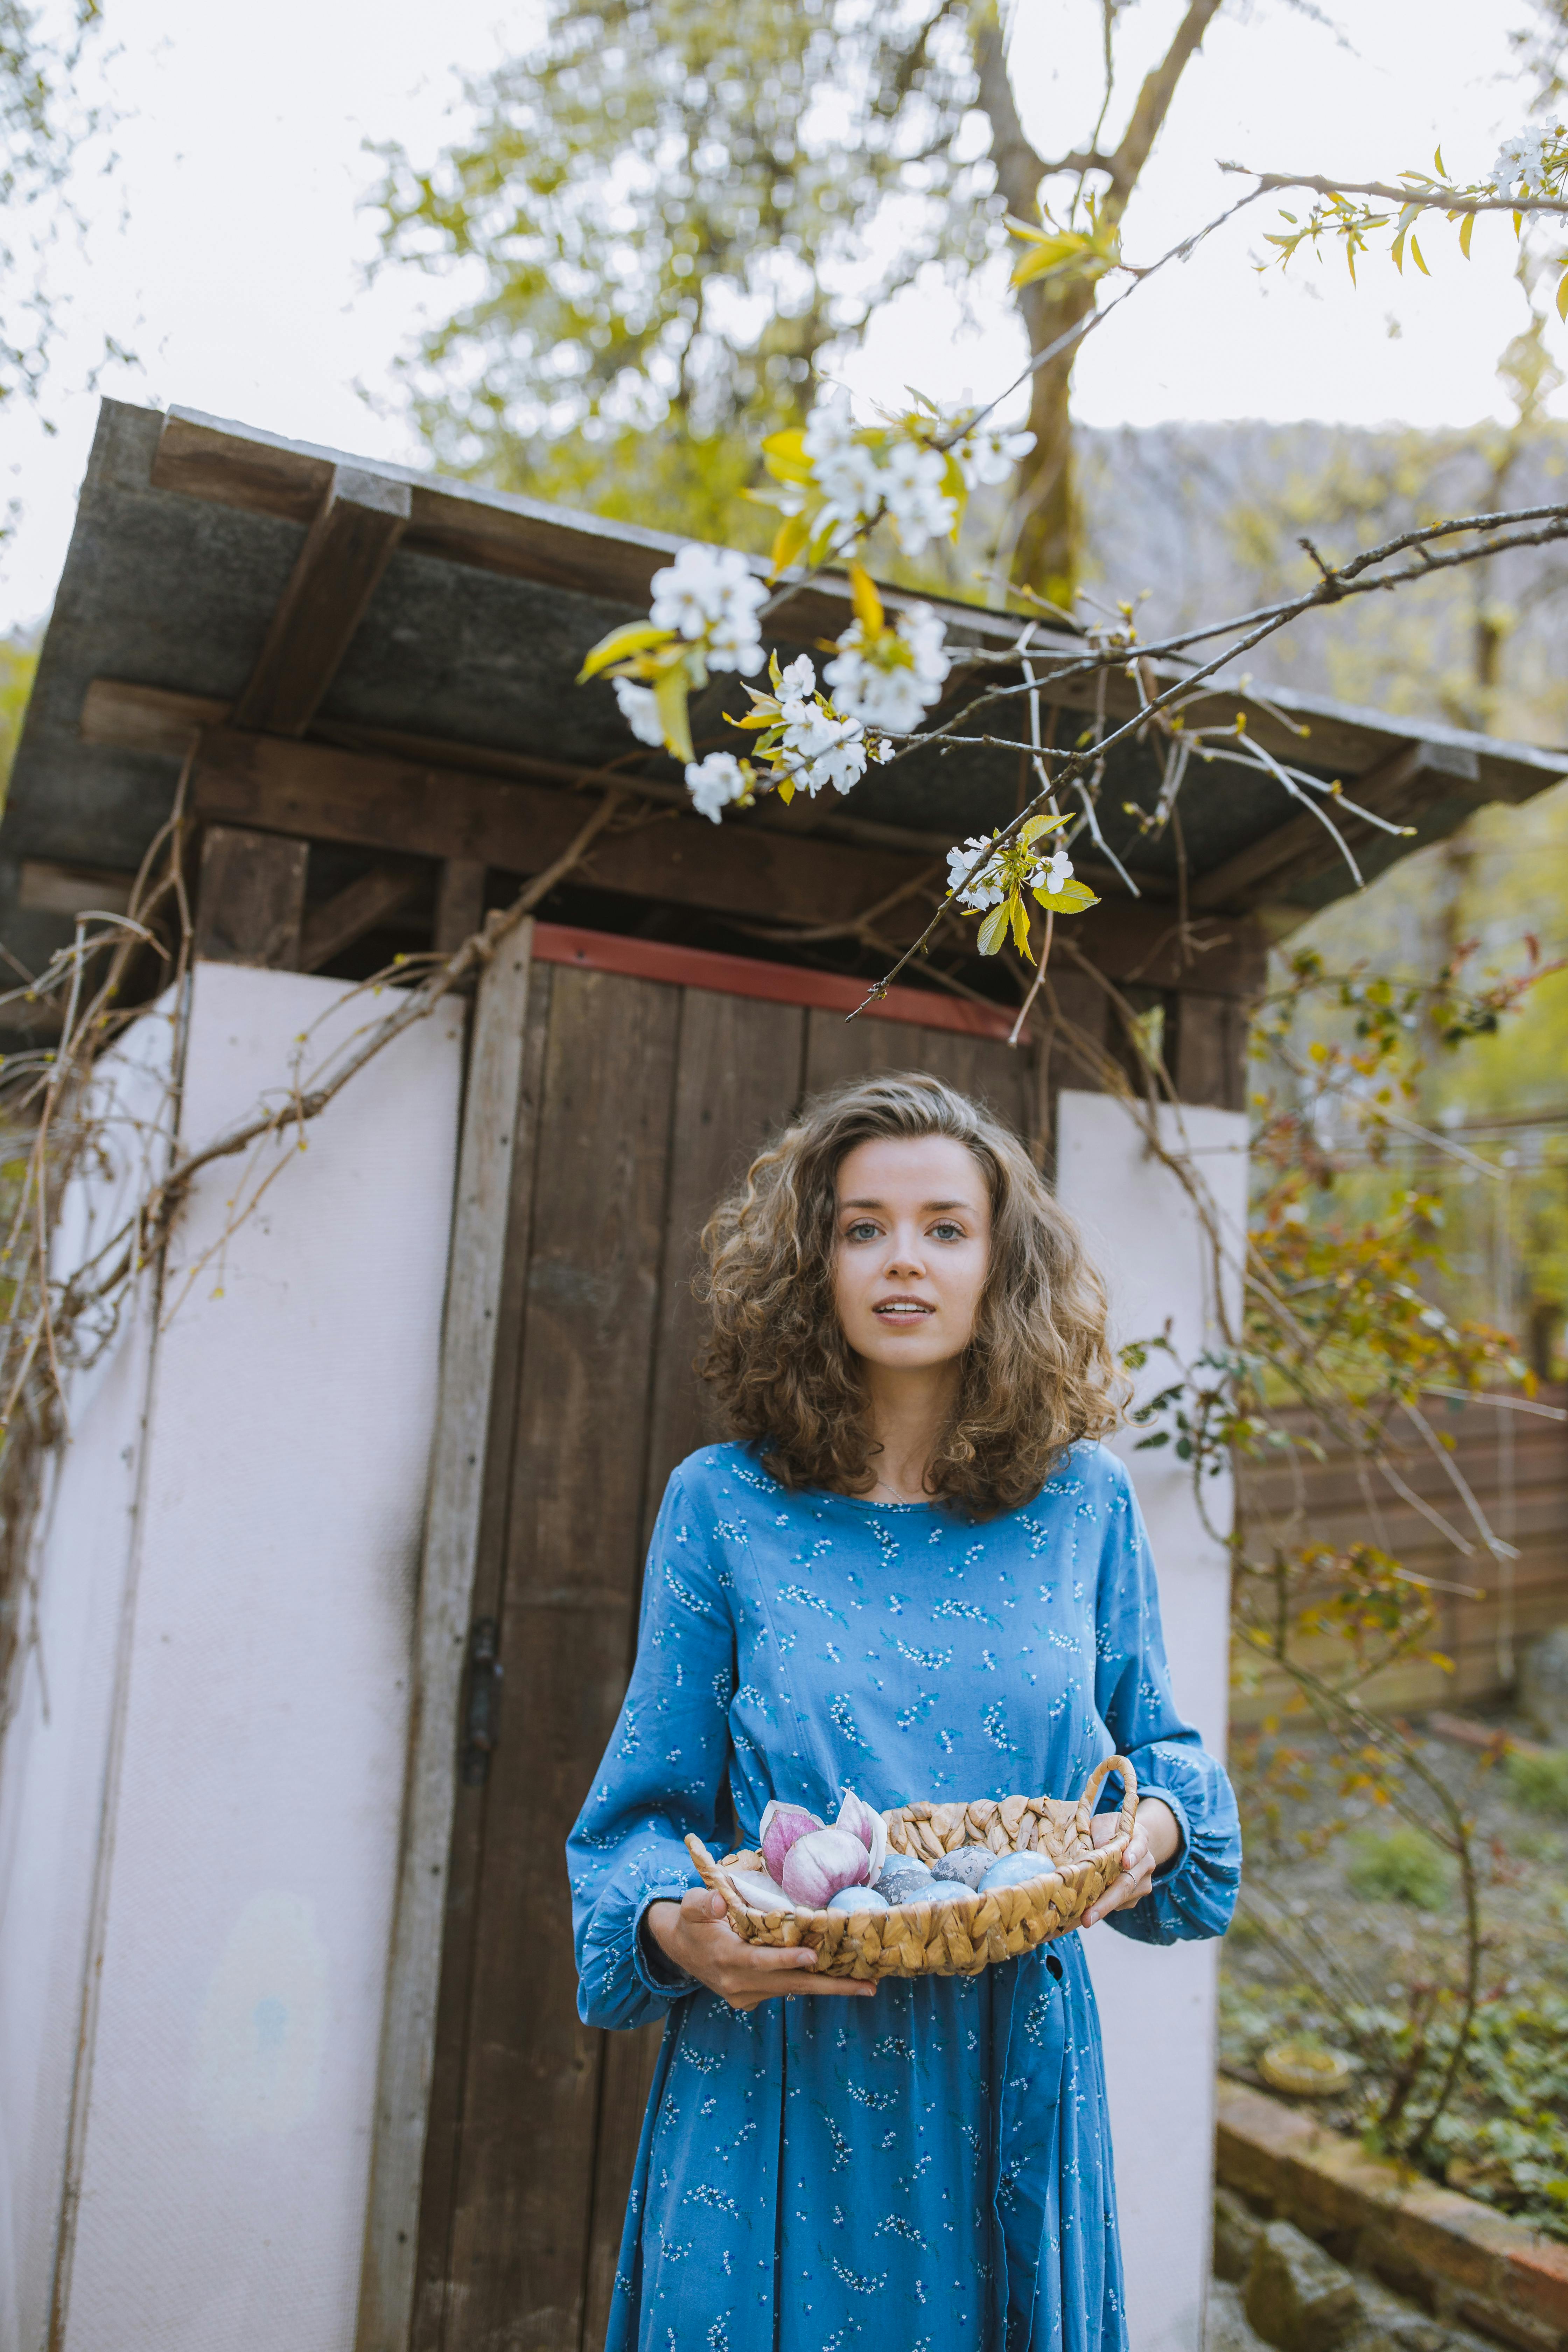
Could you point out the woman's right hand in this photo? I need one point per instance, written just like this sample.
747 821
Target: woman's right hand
695 1936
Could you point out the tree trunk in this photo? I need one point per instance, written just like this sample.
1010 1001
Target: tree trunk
1048 524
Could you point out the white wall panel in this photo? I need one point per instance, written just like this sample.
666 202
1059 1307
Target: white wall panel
57 1741
223 2160
1158 2004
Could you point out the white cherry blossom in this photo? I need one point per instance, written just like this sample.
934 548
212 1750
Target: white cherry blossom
639 708
986 891
892 680
712 594
715 783
822 748
988 455
910 485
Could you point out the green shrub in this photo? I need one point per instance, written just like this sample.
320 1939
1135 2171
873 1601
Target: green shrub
1540 1782
1398 1865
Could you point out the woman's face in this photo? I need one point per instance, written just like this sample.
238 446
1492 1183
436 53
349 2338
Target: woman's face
912 1247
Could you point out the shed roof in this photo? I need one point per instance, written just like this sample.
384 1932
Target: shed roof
181 609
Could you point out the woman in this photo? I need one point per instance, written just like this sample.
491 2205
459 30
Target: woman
916 1573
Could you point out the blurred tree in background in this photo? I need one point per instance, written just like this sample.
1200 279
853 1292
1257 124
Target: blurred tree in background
679 216
42 130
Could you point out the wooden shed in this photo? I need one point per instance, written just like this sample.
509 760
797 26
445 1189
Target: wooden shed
336 1584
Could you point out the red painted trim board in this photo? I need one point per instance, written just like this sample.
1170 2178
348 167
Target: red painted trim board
777 984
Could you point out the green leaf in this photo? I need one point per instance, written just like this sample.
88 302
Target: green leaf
1415 256
637 637
993 929
1437 159
1562 295
1021 929
1038 824
1466 230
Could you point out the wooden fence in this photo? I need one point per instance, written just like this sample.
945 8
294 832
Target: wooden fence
1515 1464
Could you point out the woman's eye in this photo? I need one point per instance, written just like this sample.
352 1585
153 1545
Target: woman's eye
862 1233
947 1232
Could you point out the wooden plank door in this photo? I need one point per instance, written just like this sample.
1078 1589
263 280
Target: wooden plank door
642 1099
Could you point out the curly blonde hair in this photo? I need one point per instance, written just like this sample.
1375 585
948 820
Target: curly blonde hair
1037 1374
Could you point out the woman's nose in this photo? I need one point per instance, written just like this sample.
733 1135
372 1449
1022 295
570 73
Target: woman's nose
905 1257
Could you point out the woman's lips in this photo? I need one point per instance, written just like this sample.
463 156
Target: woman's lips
901 1310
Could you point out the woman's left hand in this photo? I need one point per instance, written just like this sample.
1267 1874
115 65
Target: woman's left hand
1155 1838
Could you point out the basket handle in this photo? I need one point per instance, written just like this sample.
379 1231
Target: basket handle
1092 1789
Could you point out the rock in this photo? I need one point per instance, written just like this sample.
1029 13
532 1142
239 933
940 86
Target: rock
1297 2297
1225 2327
1236 2231
1543 1686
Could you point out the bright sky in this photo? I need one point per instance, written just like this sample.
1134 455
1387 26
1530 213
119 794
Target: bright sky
228 250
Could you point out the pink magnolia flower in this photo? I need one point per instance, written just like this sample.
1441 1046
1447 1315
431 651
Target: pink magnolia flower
819 1864
781 1826
856 1816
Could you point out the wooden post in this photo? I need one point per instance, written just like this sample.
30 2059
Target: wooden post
490 1145
251 898
460 903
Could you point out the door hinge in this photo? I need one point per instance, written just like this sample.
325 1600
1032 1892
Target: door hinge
481 1717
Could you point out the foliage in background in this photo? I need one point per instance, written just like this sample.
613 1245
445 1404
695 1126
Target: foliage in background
43 126
18 664
675 214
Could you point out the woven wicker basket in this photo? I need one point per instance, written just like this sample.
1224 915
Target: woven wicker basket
953 1938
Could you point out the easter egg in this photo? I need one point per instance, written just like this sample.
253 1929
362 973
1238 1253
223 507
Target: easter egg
968 1864
948 1890
859 1898
1012 1870
901 1886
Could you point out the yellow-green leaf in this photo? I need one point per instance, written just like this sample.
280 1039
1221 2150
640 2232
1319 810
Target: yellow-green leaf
1415 256
993 930
1038 824
867 604
786 788
1021 930
1437 159
1068 899
1466 230
790 537
784 456
633 639
1562 295
669 695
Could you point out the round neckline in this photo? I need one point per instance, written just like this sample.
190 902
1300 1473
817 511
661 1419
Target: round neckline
864 1502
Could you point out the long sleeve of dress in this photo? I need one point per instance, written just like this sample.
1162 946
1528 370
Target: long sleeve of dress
663 1773
1193 1896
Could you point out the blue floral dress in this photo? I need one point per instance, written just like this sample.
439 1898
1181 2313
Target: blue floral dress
932 2166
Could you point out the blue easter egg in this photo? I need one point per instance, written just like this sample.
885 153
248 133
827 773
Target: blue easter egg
901 1886
948 1890
1014 1870
858 1898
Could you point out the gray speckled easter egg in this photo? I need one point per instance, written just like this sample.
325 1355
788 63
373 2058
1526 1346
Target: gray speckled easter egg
949 1890
858 1898
901 1886
968 1865
1014 1870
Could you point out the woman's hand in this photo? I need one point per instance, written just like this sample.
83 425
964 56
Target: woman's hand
695 1935
1156 1837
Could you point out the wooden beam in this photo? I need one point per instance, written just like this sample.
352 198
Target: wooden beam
43 887
496 1145
357 909
1301 847
460 903
251 898
361 519
379 801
